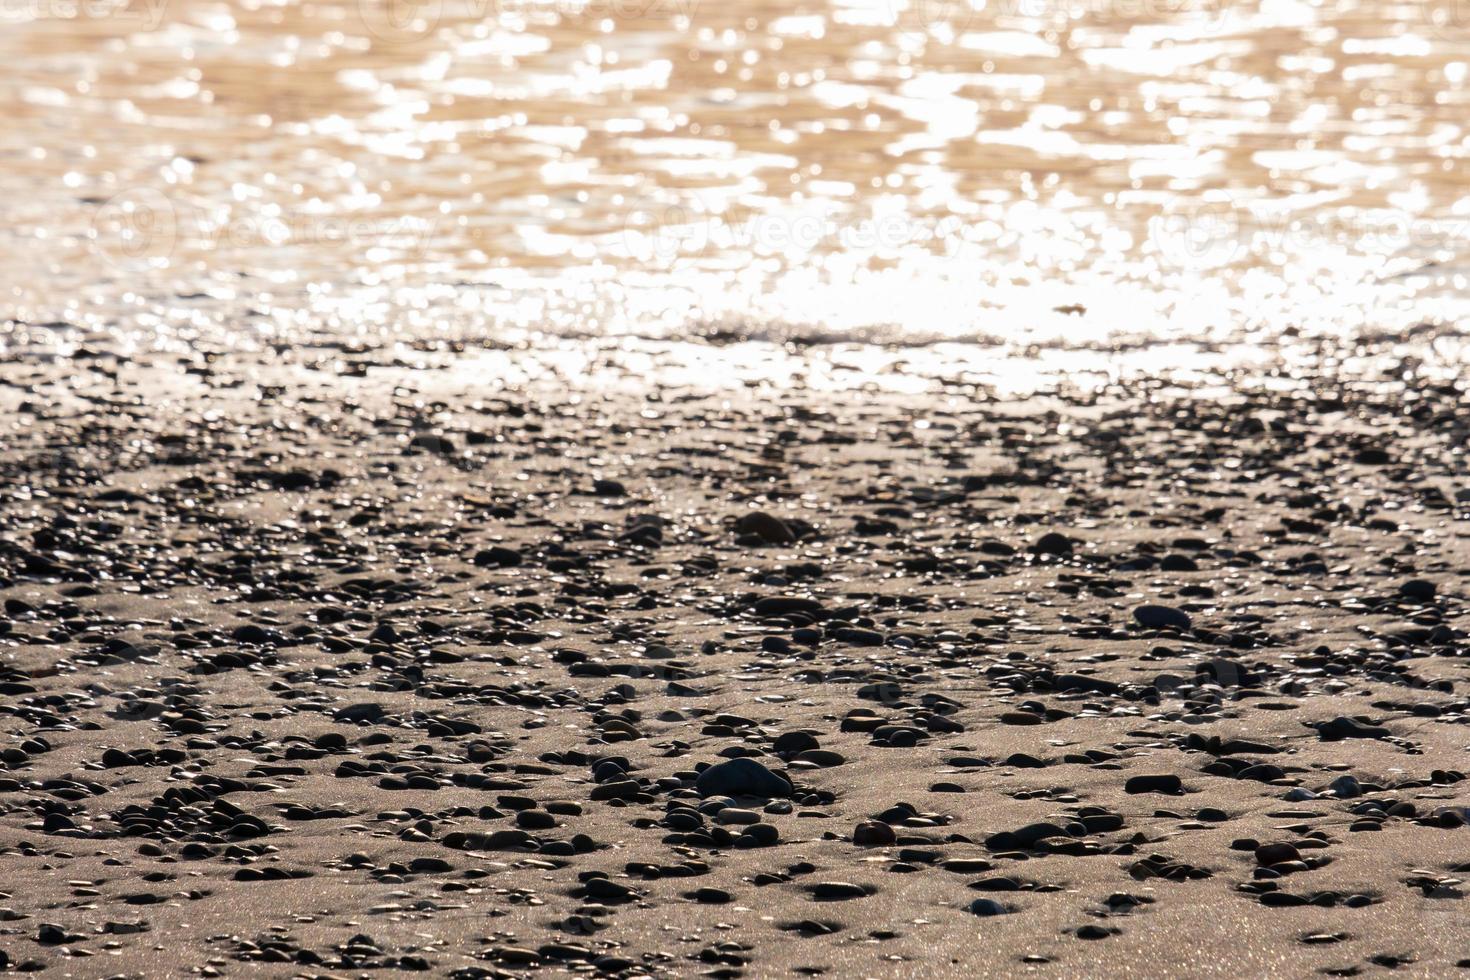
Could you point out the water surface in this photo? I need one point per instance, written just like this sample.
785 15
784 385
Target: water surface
1029 171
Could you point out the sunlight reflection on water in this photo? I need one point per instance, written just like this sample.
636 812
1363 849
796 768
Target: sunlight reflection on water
1072 172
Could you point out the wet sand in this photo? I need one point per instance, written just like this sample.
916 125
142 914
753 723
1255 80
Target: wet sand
338 662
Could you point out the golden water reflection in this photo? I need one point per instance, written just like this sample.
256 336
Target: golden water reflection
1023 170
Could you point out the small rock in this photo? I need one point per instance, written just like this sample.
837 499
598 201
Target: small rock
837 891
742 777
1162 617
1052 543
771 530
1417 588
873 833
1162 783
1278 853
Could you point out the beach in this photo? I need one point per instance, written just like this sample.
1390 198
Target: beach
342 661
658 489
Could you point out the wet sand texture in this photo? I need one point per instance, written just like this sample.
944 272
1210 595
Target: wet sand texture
317 664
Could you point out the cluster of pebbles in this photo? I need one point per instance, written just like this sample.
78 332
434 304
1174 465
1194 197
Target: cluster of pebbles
341 663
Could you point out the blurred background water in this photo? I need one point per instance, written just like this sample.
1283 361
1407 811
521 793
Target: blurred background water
1073 173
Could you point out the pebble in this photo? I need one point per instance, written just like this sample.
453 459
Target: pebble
837 891
872 833
1165 783
1162 617
742 777
1052 543
767 528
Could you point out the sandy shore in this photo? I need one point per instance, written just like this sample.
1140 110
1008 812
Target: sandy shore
342 663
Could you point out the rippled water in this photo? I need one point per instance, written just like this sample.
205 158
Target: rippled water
1023 170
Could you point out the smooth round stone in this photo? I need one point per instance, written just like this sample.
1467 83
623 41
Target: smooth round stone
735 815
1418 588
838 891
873 833
767 527
683 820
1166 783
1156 617
759 835
1052 543
742 777
710 896
793 742
535 820
1268 855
